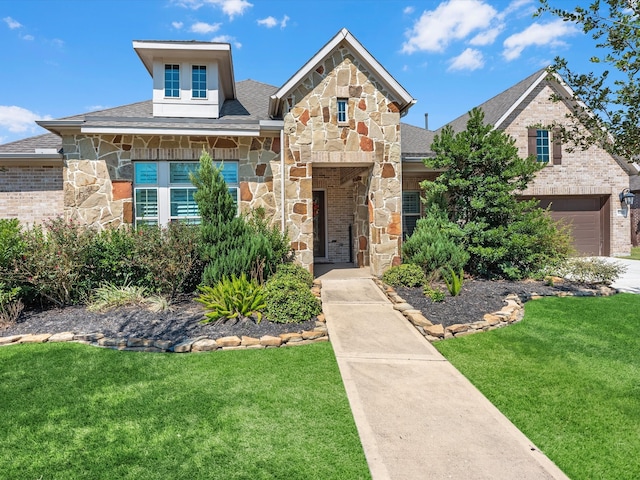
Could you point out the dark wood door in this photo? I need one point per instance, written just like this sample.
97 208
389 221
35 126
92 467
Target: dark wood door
319 225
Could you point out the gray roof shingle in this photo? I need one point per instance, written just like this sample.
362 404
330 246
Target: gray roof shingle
497 106
29 145
415 141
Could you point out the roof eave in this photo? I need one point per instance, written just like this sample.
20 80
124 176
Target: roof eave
372 64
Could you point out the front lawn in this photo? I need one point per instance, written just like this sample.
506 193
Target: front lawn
635 253
568 376
73 411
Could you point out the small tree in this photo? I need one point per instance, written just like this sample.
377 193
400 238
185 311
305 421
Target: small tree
232 245
478 192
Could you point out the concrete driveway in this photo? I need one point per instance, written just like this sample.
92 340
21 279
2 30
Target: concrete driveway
630 280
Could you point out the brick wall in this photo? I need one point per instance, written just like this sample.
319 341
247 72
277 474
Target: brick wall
340 212
592 172
31 193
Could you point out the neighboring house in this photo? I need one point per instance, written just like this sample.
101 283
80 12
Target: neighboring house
580 187
325 154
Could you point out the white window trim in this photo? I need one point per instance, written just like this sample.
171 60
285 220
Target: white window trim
164 187
206 90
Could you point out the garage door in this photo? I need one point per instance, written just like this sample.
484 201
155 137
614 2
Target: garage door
588 218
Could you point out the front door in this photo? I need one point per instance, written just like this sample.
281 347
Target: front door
319 225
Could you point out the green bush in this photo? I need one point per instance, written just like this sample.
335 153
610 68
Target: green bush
10 304
436 295
590 270
53 264
231 298
435 243
288 300
11 242
405 275
232 245
295 271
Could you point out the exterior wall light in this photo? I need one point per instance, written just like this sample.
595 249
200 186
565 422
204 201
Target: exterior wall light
626 197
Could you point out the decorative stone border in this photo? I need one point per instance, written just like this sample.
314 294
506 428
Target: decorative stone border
199 344
511 313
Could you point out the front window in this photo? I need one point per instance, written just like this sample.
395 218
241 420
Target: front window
542 145
163 191
199 81
342 110
172 81
410 212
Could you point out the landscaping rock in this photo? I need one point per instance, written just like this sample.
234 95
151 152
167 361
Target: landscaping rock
269 341
232 341
435 330
41 338
204 345
61 337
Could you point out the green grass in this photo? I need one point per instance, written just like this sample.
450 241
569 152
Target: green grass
568 376
73 411
635 254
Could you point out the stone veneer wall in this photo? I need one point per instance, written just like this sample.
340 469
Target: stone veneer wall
590 172
31 193
98 171
371 137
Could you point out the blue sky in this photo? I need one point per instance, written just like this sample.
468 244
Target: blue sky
64 57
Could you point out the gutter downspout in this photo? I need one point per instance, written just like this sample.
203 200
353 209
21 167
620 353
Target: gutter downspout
282 179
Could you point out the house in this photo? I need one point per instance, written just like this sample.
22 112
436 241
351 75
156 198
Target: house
325 154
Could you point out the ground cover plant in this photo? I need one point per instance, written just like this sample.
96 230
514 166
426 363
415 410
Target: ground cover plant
73 411
568 377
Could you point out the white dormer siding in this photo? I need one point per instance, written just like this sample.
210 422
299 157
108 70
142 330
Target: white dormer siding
186 105
220 84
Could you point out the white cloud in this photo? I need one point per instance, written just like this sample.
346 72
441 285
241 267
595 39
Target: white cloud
268 22
204 28
487 37
231 8
408 10
177 25
95 108
452 20
227 39
18 119
537 34
283 22
27 37
11 23
471 59
516 5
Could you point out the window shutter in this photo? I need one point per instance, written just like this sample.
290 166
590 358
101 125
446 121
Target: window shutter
532 132
557 147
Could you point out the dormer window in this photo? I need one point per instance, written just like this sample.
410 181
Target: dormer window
172 81
342 110
198 81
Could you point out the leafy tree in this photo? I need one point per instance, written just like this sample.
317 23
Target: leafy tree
232 245
477 191
612 97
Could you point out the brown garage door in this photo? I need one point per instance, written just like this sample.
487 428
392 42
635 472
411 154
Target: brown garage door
588 217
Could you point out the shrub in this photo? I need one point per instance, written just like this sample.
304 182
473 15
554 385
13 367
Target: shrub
405 275
163 260
52 267
435 243
295 271
436 295
110 296
591 270
11 242
288 300
231 298
232 245
453 281
10 304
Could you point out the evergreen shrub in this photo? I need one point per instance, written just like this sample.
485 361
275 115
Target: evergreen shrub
405 275
288 300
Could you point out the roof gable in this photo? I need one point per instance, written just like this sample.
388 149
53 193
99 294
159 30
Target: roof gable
345 38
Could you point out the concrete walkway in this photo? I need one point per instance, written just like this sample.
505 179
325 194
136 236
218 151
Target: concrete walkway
417 416
629 281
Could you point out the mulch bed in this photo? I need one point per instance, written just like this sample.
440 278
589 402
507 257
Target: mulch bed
476 298
180 323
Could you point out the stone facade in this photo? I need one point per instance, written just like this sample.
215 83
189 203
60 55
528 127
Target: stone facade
590 172
98 172
31 193
369 139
